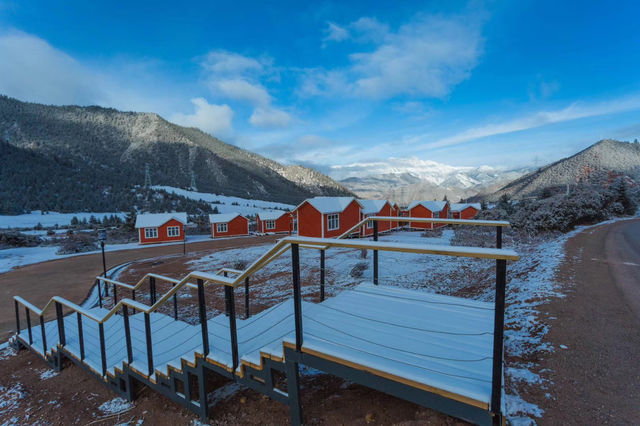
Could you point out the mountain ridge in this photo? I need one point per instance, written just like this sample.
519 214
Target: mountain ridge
604 156
404 180
112 147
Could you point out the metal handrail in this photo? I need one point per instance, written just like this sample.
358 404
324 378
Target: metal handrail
472 222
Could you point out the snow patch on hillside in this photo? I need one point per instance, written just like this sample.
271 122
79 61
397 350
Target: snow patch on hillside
226 204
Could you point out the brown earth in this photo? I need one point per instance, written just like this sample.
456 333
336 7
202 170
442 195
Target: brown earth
73 396
73 277
596 379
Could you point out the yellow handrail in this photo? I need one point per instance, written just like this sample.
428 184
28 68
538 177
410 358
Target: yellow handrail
500 223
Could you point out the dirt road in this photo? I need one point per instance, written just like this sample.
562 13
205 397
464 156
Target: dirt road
73 277
596 373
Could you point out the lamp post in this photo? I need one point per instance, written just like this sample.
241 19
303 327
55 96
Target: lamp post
102 237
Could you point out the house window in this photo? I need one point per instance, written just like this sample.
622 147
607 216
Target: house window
173 231
270 224
150 233
370 224
333 222
436 214
221 227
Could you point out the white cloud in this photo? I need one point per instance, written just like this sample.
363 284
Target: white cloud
242 90
574 111
222 62
214 119
33 70
426 57
334 32
369 30
240 78
269 117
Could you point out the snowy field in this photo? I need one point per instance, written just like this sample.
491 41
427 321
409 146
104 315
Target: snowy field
245 206
48 219
21 256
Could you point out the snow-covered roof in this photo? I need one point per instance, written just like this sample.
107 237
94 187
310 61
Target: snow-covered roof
329 204
458 207
153 220
433 206
372 206
223 218
274 215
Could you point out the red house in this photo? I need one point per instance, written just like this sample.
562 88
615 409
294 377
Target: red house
376 208
273 222
464 210
327 217
160 227
228 225
428 209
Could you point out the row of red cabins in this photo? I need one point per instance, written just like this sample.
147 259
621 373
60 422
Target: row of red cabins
322 217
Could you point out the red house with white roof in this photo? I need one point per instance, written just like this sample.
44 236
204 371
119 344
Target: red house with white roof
428 209
376 208
464 210
228 225
327 217
274 222
160 227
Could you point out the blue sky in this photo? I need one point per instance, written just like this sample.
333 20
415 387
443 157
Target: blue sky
505 84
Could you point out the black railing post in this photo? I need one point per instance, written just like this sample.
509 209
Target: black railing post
28 315
115 295
80 336
175 303
375 253
44 337
147 332
99 293
231 308
15 303
60 318
152 289
226 312
246 297
127 333
203 318
498 237
103 348
322 275
297 298
498 337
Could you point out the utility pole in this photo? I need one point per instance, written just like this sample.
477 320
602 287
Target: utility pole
147 176
192 186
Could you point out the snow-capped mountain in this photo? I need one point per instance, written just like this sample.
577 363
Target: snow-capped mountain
405 179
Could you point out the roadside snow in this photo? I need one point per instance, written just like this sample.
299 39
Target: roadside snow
47 373
10 397
21 256
32 219
6 351
115 406
225 204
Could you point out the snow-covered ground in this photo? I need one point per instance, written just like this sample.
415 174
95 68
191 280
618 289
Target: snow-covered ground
21 256
48 219
244 206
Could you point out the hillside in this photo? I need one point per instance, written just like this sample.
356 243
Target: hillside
93 155
606 156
